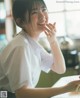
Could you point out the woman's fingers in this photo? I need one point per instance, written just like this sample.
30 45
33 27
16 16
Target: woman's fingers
78 88
74 85
50 29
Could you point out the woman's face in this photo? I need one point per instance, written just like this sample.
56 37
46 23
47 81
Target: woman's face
39 18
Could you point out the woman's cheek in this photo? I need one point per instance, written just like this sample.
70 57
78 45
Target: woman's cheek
47 18
46 21
35 19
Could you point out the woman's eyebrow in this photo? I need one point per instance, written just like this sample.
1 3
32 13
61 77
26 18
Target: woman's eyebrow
33 9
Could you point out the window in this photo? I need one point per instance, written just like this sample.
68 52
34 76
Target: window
2 18
66 14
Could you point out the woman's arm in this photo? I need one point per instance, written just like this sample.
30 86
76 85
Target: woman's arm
26 92
59 62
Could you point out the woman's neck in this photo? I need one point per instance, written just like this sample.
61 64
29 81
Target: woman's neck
33 35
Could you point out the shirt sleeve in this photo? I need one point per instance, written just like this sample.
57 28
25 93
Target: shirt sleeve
46 60
19 71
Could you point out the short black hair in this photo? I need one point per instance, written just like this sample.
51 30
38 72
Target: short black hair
20 7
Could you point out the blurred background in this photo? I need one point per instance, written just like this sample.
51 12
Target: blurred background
66 14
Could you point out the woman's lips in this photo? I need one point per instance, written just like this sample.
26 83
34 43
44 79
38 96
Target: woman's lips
42 24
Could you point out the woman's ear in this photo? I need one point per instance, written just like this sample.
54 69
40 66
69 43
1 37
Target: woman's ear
19 22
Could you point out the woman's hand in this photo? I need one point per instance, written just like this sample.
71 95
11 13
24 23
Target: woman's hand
73 86
50 31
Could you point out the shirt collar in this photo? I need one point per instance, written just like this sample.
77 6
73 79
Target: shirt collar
33 43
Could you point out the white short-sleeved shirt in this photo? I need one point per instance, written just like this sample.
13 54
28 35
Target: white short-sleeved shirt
21 63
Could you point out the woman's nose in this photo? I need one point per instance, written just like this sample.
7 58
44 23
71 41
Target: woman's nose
41 15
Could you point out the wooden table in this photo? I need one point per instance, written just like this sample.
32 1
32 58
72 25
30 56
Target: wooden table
64 80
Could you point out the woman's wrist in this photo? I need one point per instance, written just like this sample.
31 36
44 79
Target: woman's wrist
52 40
67 88
54 43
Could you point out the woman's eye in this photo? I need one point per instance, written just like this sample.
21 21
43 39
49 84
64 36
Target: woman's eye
44 9
34 12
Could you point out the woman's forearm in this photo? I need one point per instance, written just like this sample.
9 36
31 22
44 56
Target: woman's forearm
40 92
59 62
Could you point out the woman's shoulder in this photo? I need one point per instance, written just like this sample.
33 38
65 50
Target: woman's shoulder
17 43
20 39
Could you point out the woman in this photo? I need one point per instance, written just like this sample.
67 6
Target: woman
23 59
